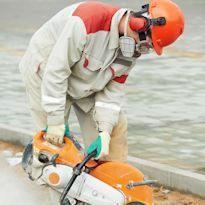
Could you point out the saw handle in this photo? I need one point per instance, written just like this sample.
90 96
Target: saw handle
77 170
86 159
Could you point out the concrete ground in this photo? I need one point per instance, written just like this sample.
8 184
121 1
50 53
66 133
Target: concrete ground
17 189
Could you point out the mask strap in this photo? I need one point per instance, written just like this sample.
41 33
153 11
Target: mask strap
142 36
126 23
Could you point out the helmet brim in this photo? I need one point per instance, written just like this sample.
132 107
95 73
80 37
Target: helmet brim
158 49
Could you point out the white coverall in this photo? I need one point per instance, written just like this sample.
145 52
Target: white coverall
74 59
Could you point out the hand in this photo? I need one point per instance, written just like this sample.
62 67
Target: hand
101 143
55 133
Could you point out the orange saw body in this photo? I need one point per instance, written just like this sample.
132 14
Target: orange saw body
78 178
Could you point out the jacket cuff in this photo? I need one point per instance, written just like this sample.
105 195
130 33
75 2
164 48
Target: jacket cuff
105 126
55 119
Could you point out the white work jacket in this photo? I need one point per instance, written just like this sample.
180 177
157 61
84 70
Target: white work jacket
77 55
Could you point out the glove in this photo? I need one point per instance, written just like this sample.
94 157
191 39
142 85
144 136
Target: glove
55 133
101 143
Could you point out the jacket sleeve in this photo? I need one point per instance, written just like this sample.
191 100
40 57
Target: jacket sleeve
66 52
108 101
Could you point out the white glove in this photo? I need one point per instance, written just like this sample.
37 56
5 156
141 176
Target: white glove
55 134
101 144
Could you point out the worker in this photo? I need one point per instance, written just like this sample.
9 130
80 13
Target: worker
82 57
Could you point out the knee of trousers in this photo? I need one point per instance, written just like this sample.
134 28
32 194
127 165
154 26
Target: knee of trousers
121 126
118 143
120 129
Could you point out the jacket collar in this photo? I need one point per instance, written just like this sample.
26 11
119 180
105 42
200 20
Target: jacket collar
114 32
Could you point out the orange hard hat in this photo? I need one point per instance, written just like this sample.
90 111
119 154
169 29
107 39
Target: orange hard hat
164 35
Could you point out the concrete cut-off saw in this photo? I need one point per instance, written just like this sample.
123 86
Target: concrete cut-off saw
77 178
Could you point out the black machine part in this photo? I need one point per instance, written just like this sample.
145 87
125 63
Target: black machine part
142 183
27 159
77 170
160 21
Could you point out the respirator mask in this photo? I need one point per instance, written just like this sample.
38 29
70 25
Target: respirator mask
127 44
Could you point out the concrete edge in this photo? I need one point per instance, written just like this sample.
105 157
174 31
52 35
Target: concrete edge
166 175
179 179
15 135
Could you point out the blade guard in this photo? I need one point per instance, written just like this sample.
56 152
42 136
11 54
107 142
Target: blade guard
27 160
119 175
